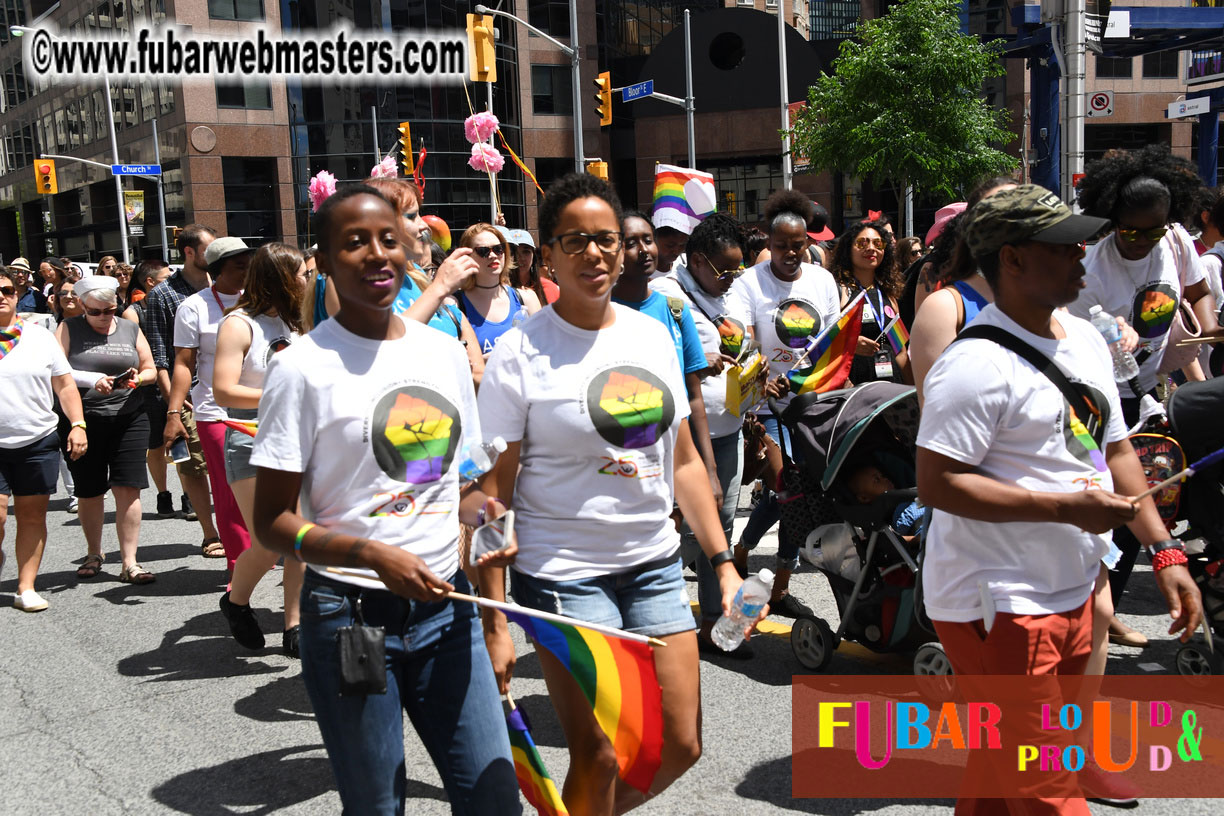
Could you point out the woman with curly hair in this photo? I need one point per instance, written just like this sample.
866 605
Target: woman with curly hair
1147 265
864 261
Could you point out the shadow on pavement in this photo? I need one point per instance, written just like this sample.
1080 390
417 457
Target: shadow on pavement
257 784
283 699
201 648
771 782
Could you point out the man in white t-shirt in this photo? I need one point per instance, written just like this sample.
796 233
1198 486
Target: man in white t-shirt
1023 491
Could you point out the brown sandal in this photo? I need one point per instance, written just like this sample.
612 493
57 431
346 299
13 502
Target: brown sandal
91 567
212 548
136 574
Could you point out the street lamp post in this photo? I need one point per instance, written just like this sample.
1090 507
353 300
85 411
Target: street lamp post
575 79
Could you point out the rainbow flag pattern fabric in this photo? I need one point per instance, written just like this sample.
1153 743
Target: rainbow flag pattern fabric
683 197
1082 435
831 352
636 405
618 678
897 335
533 778
421 434
10 336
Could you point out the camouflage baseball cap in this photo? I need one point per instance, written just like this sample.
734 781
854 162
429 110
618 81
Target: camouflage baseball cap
1025 213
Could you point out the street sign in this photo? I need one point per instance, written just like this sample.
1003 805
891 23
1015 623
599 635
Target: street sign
1100 103
136 169
1189 107
632 92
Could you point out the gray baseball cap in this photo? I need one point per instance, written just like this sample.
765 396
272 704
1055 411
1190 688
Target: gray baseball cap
222 248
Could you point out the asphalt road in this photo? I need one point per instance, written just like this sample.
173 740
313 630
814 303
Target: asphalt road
134 700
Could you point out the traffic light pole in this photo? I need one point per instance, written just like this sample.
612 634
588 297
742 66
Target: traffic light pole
110 121
688 89
161 196
572 53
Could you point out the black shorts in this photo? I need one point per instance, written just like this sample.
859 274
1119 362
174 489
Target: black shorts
155 408
31 470
115 456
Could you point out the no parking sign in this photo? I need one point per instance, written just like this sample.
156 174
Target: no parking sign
1100 103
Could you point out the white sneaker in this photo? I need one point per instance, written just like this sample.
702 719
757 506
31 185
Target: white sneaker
72 504
30 601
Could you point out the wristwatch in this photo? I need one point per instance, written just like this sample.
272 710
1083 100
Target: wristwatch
1167 544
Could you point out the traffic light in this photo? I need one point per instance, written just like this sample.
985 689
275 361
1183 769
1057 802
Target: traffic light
406 148
603 99
45 170
598 169
481 52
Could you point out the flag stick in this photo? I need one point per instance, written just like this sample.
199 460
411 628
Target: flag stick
522 610
1209 459
807 350
1197 341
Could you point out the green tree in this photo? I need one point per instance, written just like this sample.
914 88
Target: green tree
903 104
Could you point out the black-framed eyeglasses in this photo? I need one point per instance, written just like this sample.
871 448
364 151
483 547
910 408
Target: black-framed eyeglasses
102 312
722 274
486 251
575 243
1131 235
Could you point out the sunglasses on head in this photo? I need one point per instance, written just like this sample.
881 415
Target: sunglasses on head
8 291
486 251
863 242
1131 235
101 312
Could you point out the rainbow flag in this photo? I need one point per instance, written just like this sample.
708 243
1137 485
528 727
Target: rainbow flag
533 777
246 426
682 197
618 678
897 334
830 353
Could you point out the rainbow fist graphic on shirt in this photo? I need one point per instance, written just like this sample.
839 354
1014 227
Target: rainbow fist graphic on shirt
415 432
1155 307
730 335
630 407
795 321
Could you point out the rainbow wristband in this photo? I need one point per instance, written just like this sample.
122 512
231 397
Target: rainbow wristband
297 542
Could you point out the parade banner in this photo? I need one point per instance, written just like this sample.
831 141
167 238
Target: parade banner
134 211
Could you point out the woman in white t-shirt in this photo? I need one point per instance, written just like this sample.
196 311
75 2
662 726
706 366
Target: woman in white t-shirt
266 320
590 398
784 303
367 418
33 372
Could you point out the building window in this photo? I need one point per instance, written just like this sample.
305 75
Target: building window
248 95
252 208
833 19
1161 65
552 92
1114 67
248 10
550 16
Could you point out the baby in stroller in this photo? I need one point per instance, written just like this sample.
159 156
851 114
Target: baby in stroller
867 483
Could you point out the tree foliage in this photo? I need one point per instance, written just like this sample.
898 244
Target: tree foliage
903 104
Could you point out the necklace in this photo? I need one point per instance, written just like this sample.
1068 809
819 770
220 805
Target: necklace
494 286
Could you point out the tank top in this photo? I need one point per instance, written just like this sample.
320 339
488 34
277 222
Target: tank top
487 332
107 354
973 300
268 336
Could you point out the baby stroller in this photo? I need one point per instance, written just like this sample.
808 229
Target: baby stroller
871 569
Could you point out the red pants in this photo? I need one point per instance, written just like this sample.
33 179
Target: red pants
230 526
1057 644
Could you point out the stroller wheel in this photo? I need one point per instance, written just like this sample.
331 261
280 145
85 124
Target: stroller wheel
930 659
813 643
1192 660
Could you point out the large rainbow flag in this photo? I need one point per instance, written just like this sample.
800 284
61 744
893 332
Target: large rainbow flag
831 352
529 768
682 197
618 678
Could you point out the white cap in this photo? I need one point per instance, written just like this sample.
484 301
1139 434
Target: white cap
767 576
498 444
95 283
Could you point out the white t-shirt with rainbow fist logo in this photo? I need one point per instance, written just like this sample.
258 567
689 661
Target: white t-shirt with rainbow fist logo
377 429
597 413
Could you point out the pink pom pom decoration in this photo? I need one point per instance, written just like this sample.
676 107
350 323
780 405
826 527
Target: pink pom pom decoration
321 187
486 159
480 127
385 168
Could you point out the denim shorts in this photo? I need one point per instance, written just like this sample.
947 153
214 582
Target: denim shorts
647 600
238 448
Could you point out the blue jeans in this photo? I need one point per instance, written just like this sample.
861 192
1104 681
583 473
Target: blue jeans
728 461
766 514
437 671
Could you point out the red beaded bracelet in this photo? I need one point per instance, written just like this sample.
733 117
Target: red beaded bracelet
1167 558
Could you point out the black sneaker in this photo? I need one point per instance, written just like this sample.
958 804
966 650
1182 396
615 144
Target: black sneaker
242 623
788 606
289 643
189 512
165 505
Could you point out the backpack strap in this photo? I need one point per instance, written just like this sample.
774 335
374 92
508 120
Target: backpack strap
676 306
1076 398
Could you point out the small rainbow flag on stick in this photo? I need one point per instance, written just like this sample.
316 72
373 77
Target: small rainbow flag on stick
898 336
831 353
682 197
246 426
533 777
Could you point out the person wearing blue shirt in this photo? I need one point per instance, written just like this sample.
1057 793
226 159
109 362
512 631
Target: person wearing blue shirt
632 290
29 299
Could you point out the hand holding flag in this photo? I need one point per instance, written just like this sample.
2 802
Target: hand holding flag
831 352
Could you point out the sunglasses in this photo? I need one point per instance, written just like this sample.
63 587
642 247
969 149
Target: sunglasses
8 291
863 242
486 251
66 295
723 274
575 243
100 312
1131 235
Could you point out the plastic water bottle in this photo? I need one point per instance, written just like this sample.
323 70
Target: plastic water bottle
754 593
478 459
1124 366
519 317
